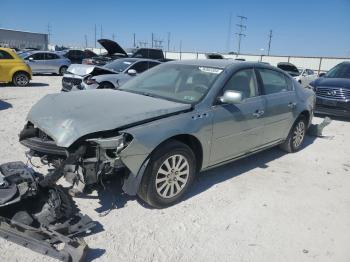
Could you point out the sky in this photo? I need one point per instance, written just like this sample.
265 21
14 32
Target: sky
300 27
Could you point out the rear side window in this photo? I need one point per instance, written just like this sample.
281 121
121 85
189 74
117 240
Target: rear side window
273 81
50 56
5 55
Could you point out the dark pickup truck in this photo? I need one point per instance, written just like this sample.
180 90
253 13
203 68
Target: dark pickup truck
115 51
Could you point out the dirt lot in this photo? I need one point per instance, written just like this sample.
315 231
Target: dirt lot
268 207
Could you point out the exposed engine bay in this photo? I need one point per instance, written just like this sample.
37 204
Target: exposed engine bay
43 218
82 165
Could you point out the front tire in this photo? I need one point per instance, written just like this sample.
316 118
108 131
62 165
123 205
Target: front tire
169 174
20 79
296 136
106 85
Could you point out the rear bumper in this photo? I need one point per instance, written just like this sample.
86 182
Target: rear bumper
332 107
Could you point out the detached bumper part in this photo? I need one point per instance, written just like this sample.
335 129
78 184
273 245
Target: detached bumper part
43 219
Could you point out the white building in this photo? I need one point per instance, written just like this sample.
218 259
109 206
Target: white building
22 39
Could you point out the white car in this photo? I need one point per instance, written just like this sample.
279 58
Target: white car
306 76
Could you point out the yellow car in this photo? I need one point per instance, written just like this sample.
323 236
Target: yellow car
13 68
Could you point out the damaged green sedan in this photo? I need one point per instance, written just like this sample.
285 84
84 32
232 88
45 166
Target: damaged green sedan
162 128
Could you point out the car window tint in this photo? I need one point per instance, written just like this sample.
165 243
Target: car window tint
5 55
38 56
140 67
50 56
152 64
273 82
244 82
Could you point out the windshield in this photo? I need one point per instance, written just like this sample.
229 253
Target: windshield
339 71
176 82
119 65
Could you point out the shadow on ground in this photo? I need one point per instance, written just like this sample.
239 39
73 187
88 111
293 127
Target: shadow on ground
31 84
337 118
111 195
4 105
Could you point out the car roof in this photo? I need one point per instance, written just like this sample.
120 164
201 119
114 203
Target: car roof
6 49
219 63
133 60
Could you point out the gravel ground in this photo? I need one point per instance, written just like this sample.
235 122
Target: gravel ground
269 207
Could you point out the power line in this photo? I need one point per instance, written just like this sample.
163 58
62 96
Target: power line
270 38
242 28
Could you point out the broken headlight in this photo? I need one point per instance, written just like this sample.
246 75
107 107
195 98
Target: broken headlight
112 145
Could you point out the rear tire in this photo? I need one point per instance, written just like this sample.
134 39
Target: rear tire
296 136
63 70
20 79
169 174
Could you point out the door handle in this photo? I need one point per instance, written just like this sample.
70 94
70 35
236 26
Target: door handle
258 113
292 105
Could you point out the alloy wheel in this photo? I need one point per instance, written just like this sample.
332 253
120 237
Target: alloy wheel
298 134
172 176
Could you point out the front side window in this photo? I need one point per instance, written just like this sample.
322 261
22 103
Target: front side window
243 81
140 67
177 82
5 55
273 82
37 56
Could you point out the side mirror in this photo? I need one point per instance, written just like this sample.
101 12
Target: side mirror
132 72
231 97
322 74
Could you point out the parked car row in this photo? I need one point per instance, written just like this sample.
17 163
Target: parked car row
109 76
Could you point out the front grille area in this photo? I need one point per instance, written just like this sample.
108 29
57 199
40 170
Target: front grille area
335 93
69 82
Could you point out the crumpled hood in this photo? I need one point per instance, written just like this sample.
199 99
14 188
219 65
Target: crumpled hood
66 117
332 82
83 70
80 69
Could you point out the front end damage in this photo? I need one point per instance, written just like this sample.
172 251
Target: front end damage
41 218
83 164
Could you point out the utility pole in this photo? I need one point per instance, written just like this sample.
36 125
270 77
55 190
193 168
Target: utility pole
95 35
152 40
270 37
86 41
113 36
229 33
242 28
101 32
49 33
134 35
168 41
